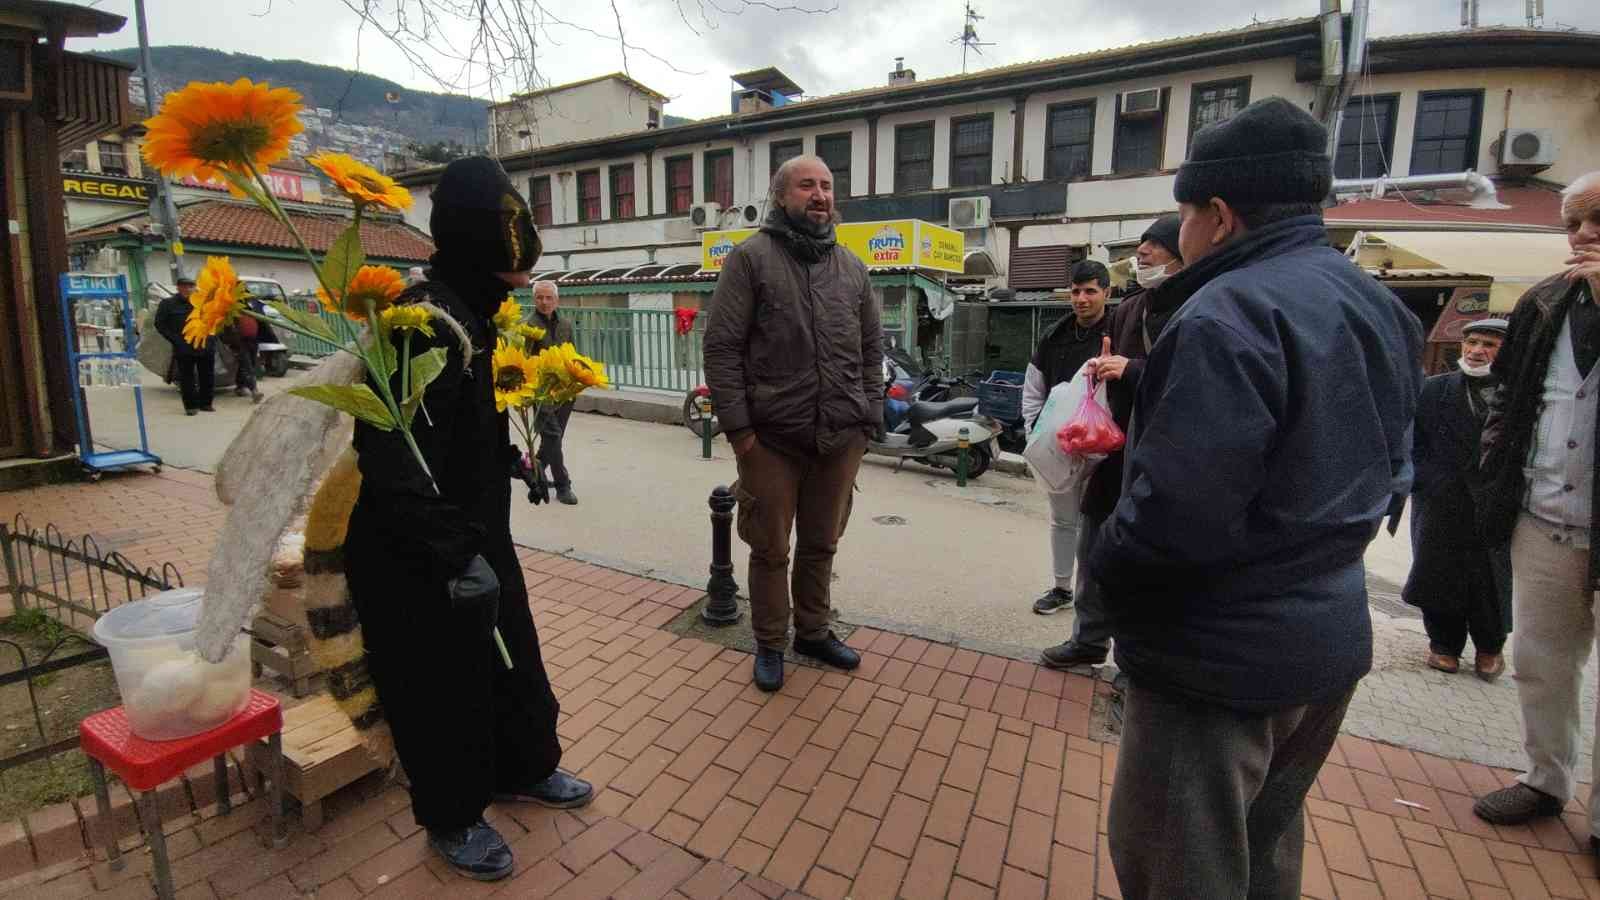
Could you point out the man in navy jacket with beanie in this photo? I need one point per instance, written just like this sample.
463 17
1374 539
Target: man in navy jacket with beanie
1271 434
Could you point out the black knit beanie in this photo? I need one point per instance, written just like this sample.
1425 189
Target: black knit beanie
479 221
1269 152
1164 231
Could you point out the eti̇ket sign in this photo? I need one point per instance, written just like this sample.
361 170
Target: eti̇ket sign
898 243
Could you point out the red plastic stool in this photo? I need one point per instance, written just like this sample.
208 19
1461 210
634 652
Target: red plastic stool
146 765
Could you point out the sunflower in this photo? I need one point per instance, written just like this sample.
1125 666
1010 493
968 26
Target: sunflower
406 317
531 333
516 376
585 371
360 182
508 316
209 129
378 284
216 301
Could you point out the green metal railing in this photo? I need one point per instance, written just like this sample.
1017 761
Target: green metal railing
639 347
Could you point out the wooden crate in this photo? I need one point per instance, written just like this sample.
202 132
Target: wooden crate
282 646
322 752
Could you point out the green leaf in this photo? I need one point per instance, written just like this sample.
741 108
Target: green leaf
357 399
343 259
306 322
425 367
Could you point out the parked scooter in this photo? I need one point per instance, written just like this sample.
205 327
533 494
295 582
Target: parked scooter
930 432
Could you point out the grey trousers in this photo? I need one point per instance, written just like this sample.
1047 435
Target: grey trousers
1090 625
1064 515
1207 801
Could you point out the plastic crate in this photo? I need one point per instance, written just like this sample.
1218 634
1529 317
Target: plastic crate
1000 396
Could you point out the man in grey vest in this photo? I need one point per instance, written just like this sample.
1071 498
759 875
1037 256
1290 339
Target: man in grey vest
1538 492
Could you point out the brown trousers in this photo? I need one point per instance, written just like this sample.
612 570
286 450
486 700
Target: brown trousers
810 495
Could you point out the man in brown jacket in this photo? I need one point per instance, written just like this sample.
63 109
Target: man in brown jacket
794 360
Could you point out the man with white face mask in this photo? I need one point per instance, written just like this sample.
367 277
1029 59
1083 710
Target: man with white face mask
1461 584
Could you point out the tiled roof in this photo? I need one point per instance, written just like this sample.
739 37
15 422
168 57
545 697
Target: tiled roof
1531 206
241 225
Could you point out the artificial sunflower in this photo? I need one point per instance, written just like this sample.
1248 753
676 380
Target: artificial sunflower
360 182
408 317
530 333
588 372
516 376
378 284
213 129
216 301
508 316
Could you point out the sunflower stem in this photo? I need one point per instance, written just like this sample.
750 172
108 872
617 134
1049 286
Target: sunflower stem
405 369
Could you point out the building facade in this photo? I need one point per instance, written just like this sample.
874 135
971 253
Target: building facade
584 110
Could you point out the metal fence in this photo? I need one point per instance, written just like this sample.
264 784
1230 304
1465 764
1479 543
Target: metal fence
641 348
300 345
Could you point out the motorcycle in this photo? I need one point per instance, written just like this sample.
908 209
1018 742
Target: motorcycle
930 432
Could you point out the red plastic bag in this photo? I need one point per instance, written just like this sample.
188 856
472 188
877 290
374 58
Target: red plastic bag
1091 430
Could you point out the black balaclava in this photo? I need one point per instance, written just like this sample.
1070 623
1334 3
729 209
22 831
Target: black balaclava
480 225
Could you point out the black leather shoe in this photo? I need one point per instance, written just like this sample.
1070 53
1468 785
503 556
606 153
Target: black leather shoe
565 495
769 669
1072 653
477 851
559 791
830 650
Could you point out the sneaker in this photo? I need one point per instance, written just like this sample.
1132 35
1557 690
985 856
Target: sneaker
1053 601
830 650
1516 805
559 791
1072 653
239 392
566 496
256 397
477 851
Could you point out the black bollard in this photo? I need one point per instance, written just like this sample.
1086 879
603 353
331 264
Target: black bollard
721 608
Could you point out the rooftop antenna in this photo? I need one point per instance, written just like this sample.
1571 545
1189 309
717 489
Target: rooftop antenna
1469 13
968 39
1535 13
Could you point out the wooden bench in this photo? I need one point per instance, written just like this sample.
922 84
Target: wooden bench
322 752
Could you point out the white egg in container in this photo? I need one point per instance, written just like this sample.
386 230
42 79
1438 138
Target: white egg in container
168 690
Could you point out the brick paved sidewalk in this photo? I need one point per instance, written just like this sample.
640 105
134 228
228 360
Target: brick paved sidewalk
932 772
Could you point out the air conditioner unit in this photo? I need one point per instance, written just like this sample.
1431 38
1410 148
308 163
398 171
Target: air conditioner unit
706 216
751 214
1527 147
969 212
1139 103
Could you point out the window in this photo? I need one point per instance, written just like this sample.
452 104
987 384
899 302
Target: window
1366 137
1136 145
971 151
834 149
913 157
589 196
719 178
622 205
539 199
680 184
1447 132
77 159
112 160
782 152
1216 102
1069 140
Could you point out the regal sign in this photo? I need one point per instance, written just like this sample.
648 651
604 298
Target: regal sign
105 187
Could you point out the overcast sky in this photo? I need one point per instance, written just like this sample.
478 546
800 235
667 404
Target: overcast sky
698 46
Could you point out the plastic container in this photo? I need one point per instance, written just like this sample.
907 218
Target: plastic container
1000 396
168 690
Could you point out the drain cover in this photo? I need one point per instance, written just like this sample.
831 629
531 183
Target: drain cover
889 520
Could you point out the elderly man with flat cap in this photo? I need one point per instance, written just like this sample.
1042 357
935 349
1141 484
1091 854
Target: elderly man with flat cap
1539 494
1461 584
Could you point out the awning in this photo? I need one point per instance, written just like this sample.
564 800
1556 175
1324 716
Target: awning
1513 261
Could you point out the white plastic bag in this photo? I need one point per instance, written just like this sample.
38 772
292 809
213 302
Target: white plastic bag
1056 470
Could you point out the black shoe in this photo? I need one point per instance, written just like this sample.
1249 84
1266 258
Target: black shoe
1516 805
830 650
559 791
1054 601
769 669
191 412
565 495
477 851
208 408
1072 653
239 392
255 397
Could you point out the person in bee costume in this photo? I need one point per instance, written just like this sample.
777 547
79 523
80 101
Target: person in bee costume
432 572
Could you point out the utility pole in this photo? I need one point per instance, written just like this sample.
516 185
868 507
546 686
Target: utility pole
162 208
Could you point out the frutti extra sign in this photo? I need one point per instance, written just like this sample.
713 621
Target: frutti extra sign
99 187
895 243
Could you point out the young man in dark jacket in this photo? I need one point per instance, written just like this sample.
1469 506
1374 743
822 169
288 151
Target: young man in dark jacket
1271 435
1461 584
552 423
196 368
794 360
1538 492
430 561
1062 351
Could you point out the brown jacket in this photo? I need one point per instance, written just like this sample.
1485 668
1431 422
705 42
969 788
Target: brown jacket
794 350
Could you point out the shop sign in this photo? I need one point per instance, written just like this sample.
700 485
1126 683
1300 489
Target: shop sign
102 187
285 185
895 243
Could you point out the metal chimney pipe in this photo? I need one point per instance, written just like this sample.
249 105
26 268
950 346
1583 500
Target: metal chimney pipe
1484 193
